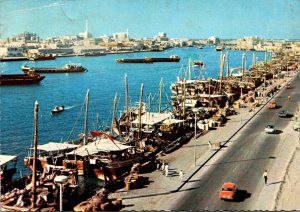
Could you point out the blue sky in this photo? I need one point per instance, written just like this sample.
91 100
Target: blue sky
277 19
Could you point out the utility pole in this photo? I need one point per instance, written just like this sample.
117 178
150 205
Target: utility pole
35 142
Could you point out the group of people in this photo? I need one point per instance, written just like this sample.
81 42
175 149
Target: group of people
164 167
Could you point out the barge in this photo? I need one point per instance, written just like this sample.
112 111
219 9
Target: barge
172 58
68 68
37 57
20 79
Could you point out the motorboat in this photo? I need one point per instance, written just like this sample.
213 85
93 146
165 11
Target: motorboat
58 109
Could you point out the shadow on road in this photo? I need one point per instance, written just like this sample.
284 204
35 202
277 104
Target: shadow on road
277 132
241 195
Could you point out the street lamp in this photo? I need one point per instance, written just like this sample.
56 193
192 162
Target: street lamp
60 180
195 144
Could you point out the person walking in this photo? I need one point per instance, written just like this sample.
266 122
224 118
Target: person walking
266 177
157 165
181 175
163 167
166 170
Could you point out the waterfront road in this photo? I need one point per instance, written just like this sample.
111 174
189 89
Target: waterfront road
245 153
243 161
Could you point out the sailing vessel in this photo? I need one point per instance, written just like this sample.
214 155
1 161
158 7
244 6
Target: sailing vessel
106 157
7 169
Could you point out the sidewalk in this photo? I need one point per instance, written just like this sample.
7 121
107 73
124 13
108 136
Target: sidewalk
160 187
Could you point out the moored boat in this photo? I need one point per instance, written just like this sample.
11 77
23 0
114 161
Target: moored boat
68 68
106 157
51 153
172 58
36 57
20 79
7 169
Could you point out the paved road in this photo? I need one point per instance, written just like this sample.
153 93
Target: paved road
243 161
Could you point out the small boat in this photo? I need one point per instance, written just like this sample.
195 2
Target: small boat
68 68
58 109
20 79
198 63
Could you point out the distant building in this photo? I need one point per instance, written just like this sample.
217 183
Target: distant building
162 36
121 36
11 51
26 37
213 40
248 43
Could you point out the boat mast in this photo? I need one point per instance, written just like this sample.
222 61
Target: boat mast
114 114
227 60
184 97
35 141
86 117
243 64
203 72
140 110
126 98
160 94
221 70
189 68
253 60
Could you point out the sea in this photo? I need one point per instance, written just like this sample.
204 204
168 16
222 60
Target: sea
104 79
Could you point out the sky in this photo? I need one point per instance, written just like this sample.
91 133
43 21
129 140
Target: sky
226 19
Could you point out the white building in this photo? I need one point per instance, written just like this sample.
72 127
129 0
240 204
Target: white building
11 51
121 36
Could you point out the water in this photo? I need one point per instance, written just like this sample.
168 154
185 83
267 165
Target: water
104 79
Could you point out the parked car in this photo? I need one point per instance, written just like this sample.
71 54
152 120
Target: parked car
228 191
283 113
270 128
297 126
272 104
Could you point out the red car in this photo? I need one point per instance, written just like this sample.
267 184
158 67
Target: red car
228 191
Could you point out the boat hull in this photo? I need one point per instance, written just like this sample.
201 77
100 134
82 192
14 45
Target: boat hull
53 70
20 79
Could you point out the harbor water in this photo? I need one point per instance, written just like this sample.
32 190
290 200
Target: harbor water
104 79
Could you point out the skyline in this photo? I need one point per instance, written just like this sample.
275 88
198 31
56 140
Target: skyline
274 19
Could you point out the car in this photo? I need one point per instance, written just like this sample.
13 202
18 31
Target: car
296 127
270 128
272 104
282 113
288 86
228 191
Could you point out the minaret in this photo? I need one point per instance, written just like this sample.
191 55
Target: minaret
86 29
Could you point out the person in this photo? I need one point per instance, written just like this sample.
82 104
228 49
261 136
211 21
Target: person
266 177
166 170
163 167
289 98
180 175
157 165
296 117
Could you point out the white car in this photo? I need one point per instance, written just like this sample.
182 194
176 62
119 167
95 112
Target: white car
297 126
270 128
